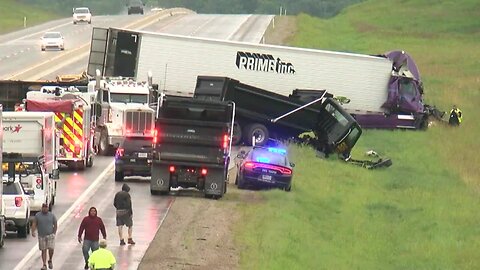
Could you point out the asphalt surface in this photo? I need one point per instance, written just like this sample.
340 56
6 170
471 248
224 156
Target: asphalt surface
21 58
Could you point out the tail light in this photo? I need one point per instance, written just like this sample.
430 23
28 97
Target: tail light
155 133
172 169
249 165
18 201
39 182
225 141
204 172
120 152
283 170
128 131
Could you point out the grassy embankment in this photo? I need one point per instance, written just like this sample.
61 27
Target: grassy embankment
12 14
421 213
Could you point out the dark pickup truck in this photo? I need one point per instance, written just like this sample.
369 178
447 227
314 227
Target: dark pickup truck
192 145
257 108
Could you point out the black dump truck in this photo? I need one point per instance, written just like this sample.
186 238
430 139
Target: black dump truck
259 114
191 145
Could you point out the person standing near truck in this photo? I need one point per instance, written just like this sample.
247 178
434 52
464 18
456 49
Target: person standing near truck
455 116
92 225
123 204
46 224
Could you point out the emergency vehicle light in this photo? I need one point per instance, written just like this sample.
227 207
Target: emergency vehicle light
263 160
225 141
277 150
172 169
204 172
120 152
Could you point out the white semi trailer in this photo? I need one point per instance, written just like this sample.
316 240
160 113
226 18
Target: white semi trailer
384 91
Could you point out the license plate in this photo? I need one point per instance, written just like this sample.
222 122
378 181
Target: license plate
132 160
142 155
267 177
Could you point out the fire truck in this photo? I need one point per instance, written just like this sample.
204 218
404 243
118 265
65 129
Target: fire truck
73 121
121 109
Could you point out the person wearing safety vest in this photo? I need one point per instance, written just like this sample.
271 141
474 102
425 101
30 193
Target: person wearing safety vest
455 116
102 258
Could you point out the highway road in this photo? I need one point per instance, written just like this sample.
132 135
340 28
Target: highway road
21 58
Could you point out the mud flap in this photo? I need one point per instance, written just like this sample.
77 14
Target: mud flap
215 183
160 181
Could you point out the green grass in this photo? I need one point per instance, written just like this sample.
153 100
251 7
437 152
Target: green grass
12 14
421 213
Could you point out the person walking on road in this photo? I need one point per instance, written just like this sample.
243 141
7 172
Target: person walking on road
123 204
92 225
455 116
45 223
102 258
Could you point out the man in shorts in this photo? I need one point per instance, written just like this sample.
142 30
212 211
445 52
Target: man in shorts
123 204
45 223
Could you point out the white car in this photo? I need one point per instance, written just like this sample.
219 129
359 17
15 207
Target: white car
17 208
53 40
82 14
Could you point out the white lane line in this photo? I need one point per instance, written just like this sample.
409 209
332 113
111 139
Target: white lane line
70 210
36 33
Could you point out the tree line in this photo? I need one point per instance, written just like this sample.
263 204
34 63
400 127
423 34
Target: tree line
318 8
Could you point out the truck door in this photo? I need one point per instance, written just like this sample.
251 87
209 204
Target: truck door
98 50
126 54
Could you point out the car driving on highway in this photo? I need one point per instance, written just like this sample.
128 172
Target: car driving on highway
82 14
52 40
133 157
264 167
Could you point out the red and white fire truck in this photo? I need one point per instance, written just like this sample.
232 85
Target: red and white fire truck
72 110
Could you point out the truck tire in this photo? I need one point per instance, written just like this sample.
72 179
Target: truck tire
90 161
22 231
259 131
237 134
103 147
119 176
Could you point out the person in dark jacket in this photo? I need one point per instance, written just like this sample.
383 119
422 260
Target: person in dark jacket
123 204
92 225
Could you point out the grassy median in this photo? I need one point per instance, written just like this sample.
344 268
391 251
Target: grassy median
12 14
421 213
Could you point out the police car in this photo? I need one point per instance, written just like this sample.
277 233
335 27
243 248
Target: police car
264 167
133 157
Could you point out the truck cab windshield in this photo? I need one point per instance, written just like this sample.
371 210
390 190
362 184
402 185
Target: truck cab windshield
128 98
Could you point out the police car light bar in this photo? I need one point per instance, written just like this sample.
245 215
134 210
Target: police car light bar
277 150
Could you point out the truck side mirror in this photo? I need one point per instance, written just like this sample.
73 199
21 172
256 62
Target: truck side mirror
98 109
292 164
55 174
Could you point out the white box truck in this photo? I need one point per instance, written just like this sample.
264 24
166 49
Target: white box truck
30 141
384 91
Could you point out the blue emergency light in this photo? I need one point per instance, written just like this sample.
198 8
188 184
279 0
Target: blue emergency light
263 160
277 150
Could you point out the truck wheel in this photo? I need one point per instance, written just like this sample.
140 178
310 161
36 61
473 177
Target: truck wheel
103 147
90 161
22 231
119 176
259 131
237 134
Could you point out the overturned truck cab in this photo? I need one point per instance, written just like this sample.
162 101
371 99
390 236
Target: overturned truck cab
192 145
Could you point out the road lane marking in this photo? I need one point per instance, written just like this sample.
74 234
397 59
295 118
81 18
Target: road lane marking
139 24
101 178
